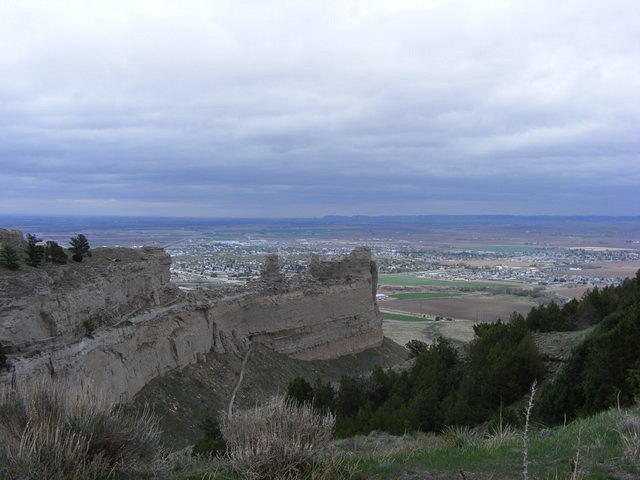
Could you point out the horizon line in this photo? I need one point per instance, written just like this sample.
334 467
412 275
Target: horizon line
328 216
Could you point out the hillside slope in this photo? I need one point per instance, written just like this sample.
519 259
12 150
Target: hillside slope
182 399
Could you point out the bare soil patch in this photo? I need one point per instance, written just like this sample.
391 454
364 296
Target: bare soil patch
459 331
575 292
487 262
466 308
609 269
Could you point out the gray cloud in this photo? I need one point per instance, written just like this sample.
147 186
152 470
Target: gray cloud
310 108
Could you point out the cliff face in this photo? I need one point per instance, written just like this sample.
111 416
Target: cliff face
62 301
144 327
12 238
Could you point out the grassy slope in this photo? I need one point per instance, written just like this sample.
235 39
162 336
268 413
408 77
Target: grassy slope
601 456
182 399
596 440
551 452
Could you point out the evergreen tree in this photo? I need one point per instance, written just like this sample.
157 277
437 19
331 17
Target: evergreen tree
3 357
300 390
323 396
9 257
54 253
34 251
79 247
416 347
211 442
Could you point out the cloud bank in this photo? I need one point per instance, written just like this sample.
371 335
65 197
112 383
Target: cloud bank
253 108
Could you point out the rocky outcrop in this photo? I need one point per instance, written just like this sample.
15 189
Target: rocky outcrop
145 328
271 269
62 302
12 238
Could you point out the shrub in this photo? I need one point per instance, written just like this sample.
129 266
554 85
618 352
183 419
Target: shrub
300 390
323 396
50 432
275 439
9 257
416 347
54 253
212 442
88 327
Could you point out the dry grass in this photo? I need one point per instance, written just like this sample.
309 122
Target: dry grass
49 431
629 430
275 440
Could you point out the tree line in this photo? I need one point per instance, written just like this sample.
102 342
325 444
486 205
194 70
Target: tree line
591 309
442 387
35 252
476 384
604 370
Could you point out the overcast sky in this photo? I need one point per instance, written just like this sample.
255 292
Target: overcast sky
304 108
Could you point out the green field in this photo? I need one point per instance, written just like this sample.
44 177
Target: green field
404 296
404 318
409 280
503 248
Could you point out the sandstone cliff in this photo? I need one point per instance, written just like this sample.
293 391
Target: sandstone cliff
116 320
61 301
12 238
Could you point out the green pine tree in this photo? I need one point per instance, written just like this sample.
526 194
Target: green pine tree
35 252
79 247
300 390
9 257
3 357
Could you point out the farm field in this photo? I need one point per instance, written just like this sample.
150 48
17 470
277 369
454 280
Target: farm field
502 248
574 292
608 269
403 318
409 280
487 262
402 296
469 308
459 331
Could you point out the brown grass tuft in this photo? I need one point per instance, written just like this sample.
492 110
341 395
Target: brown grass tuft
276 439
49 431
629 430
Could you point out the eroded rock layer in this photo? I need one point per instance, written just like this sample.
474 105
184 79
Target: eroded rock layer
116 320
